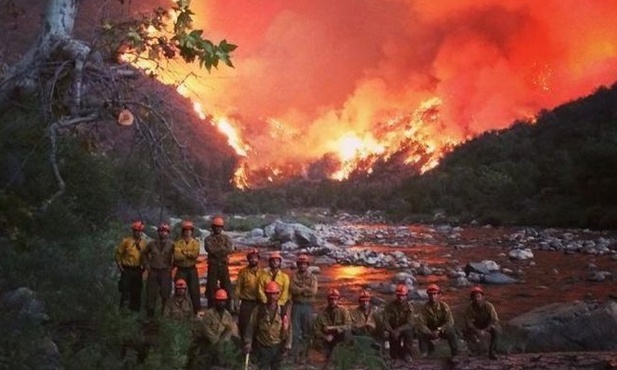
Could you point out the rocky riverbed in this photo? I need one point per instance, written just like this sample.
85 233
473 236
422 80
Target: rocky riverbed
521 270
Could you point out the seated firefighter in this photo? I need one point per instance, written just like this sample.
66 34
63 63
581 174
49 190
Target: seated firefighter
363 316
481 318
179 306
398 321
214 336
435 321
333 324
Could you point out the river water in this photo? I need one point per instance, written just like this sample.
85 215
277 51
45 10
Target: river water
551 276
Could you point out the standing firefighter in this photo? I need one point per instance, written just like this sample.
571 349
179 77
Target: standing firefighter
303 288
157 258
363 320
179 306
186 251
270 330
398 323
333 323
481 318
436 322
273 273
219 247
246 291
128 260
214 334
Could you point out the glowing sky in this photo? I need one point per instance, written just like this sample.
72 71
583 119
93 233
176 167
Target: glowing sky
309 72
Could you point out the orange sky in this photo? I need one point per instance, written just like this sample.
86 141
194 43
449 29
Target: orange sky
308 72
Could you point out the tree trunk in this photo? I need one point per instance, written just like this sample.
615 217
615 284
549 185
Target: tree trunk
56 35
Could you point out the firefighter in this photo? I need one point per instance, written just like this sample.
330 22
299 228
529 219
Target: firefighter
179 306
435 321
215 334
128 260
333 324
268 333
246 292
481 318
273 273
398 320
219 247
186 251
303 287
363 316
157 258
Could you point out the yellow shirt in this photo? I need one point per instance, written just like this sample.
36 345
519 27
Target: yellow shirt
265 275
128 252
247 288
186 253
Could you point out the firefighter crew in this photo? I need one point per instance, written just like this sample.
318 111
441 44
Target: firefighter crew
219 247
268 333
157 258
215 334
480 318
186 251
363 316
398 321
273 273
179 306
333 324
435 321
303 287
246 292
128 260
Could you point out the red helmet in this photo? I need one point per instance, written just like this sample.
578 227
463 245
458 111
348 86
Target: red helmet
334 293
138 226
164 227
303 258
180 284
433 288
187 225
401 289
476 289
251 252
218 221
364 296
272 287
275 254
221 295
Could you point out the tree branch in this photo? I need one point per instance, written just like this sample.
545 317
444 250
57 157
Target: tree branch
53 154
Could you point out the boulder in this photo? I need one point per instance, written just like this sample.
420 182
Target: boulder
256 233
575 326
520 254
484 267
298 233
498 278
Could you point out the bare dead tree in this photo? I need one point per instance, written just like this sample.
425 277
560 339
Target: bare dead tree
76 88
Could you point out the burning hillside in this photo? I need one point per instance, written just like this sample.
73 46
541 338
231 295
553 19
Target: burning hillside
327 88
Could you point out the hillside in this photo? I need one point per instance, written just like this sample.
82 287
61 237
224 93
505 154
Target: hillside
559 171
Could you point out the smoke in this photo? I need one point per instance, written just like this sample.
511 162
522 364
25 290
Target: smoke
309 72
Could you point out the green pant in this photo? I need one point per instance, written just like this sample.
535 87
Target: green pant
218 273
158 284
302 324
269 358
130 287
